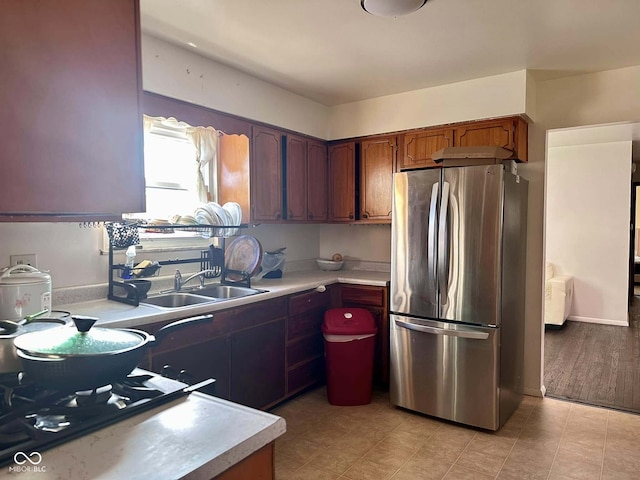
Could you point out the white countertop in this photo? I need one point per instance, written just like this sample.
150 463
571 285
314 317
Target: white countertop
118 314
195 437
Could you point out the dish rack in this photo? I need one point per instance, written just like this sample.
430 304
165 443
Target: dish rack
124 234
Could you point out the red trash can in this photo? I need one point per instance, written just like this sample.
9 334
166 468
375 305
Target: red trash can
349 335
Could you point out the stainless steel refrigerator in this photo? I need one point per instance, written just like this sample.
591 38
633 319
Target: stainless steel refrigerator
457 293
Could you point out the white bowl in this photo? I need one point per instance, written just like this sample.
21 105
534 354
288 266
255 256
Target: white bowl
329 264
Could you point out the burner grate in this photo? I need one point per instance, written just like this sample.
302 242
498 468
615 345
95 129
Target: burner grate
35 419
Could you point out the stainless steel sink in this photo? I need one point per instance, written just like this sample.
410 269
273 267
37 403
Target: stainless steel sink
177 300
226 291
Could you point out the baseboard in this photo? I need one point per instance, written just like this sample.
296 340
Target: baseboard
601 321
535 392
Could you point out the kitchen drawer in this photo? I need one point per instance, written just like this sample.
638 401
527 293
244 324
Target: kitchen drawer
305 375
364 295
305 349
245 317
187 335
308 301
306 324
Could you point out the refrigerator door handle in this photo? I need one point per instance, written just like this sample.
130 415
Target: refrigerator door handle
443 331
443 245
432 240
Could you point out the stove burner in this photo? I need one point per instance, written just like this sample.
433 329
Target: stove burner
100 395
37 418
51 423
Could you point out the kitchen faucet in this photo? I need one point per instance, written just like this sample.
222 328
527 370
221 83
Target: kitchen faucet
178 283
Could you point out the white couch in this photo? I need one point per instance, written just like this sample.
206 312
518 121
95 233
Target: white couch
558 295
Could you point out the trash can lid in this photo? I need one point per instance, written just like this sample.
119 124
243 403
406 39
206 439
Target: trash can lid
348 321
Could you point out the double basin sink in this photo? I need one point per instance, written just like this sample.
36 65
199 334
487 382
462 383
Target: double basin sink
210 294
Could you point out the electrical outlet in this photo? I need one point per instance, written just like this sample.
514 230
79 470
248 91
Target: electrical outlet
24 259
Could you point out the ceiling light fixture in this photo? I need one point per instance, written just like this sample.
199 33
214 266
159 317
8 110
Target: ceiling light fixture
391 8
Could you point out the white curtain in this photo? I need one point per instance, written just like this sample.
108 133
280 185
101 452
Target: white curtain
205 141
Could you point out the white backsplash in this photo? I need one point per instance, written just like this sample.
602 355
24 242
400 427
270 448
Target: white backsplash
71 252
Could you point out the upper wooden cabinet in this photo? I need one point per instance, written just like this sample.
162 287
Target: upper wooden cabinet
509 133
377 160
70 93
317 182
266 175
418 147
296 172
306 180
342 182
283 178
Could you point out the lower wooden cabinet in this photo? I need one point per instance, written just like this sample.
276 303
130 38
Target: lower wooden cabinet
242 348
261 354
305 343
257 365
257 466
209 359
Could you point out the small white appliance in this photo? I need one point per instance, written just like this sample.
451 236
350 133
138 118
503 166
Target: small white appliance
24 290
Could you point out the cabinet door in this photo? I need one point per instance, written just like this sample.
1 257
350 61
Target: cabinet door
418 147
377 160
305 343
316 181
296 171
342 178
70 93
500 133
266 175
258 365
208 359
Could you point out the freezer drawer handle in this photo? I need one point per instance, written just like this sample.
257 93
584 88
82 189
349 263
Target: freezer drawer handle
443 331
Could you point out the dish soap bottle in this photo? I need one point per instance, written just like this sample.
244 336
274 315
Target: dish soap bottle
131 260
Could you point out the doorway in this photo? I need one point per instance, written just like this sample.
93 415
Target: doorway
634 243
588 208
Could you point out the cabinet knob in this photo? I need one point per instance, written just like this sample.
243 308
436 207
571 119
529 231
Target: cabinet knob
365 215
351 216
290 214
278 215
310 216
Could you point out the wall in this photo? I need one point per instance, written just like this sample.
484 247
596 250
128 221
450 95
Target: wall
590 99
356 243
179 73
580 198
496 96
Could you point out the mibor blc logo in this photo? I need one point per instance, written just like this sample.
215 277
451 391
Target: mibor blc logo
27 462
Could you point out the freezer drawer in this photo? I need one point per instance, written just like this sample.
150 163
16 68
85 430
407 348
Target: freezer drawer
447 370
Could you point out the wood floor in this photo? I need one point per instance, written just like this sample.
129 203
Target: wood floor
595 364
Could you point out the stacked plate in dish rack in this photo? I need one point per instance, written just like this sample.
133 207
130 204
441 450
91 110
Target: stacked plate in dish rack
227 215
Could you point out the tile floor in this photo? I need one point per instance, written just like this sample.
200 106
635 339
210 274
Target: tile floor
544 439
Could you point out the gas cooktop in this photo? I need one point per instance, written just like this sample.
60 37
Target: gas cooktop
34 418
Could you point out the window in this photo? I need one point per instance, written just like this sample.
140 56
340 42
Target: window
170 174
179 162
